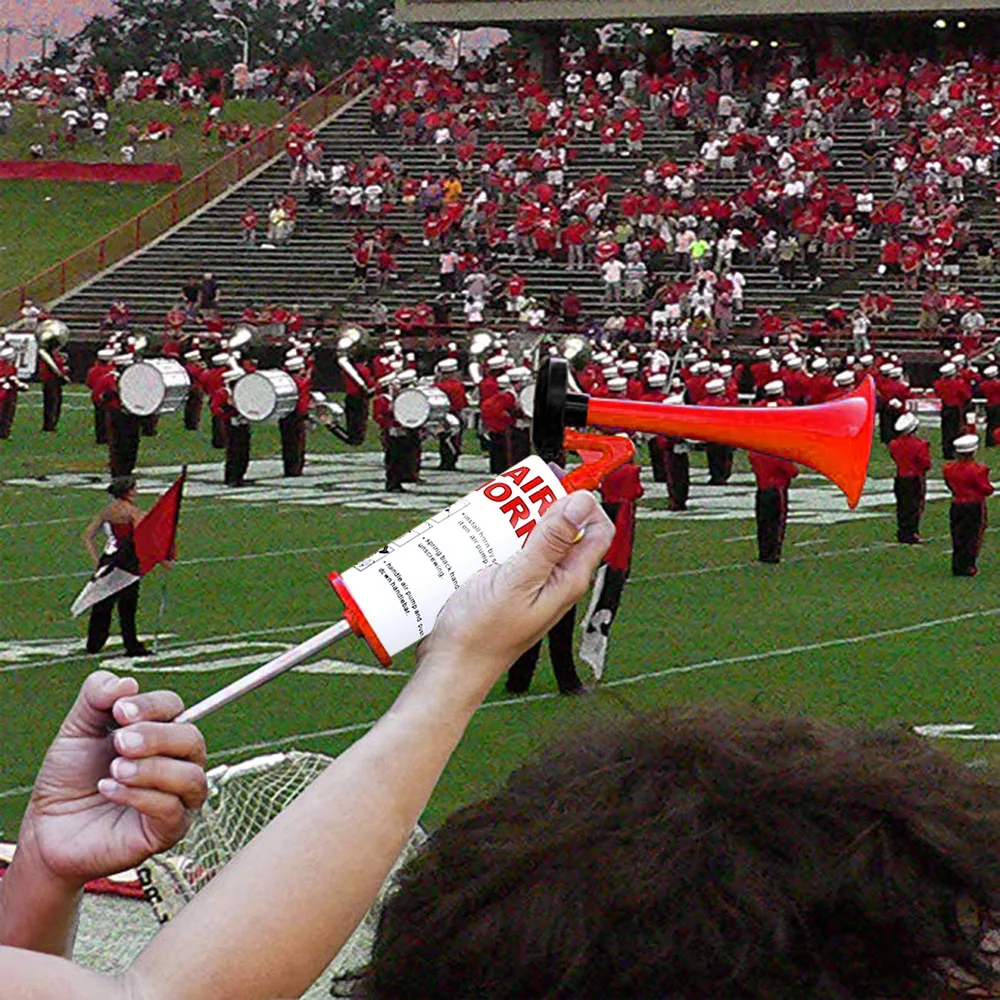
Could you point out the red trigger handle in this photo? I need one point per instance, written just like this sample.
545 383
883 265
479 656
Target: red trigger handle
601 455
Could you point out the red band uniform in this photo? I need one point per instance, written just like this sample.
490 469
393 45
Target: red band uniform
450 440
969 482
54 372
912 456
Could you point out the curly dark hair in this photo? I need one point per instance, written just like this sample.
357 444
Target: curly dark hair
706 854
121 486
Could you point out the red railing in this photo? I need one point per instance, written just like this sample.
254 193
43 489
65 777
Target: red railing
181 202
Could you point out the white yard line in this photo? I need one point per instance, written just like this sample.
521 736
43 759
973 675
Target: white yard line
205 559
38 524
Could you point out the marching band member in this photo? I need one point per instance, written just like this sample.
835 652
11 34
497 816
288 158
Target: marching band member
117 522
912 456
53 371
619 493
235 429
519 434
678 466
488 383
10 386
954 393
359 387
720 456
450 441
196 393
412 450
969 482
213 381
989 389
497 411
658 444
293 425
101 366
393 434
773 477
123 428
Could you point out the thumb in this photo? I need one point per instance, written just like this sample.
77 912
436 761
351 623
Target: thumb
91 711
553 539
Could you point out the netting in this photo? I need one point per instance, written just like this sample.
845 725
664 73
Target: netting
242 799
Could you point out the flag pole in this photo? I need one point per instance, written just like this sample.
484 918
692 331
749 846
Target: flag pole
160 610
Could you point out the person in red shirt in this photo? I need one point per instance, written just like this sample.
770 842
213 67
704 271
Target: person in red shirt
54 372
954 393
248 226
497 411
773 477
912 456
196 392
450 439
989 389
95 374
719 456
293 424
619 493
970 485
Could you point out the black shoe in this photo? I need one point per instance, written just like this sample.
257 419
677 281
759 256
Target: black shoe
395 488
513 690
140 650
577 689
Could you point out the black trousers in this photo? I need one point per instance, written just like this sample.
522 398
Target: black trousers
394 448
499 452
293 443
951 419
192 410
7 410
100 425
52 396
720 463
561 652
771 509
237 453
678 478
658 459
520 444
100 620
968 522
123 442
218 432
449 448
909 492
356 414
149 425
411 456
992 425
887 417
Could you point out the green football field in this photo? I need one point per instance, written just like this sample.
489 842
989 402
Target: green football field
849 626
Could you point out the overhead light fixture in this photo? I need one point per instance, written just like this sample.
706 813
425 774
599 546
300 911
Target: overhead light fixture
648 30
960 25
671 32
754 43
774 43
940 23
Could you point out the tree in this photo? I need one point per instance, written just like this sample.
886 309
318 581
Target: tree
331 35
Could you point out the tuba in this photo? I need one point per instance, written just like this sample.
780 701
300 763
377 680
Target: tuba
52 334
833 438
326 413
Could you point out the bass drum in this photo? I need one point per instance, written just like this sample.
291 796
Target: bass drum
415 408
265 395
526 400
159 385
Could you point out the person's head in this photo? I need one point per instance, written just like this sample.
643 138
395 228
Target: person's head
705 853
122 487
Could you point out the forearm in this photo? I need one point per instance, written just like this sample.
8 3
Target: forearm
38 911
326 855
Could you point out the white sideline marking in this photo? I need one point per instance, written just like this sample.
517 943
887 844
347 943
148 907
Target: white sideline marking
651 675
956 731
811 541
671 534
740 538
201 560
356 727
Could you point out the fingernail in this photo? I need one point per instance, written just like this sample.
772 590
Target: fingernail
130 710
578 508
128 739
124 769
108 786
112 684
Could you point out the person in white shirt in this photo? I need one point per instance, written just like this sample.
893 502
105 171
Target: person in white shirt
128 153
710 152
6 110
373 199
612 272
442 137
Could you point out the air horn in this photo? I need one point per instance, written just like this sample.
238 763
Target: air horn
833 438
392 598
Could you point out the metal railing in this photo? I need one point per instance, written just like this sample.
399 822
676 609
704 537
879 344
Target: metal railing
168 211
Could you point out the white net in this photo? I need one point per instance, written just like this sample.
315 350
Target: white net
242 799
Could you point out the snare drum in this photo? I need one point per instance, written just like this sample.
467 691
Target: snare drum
265 395
417 407
155 386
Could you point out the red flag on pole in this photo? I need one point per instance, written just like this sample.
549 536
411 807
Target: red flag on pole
156 533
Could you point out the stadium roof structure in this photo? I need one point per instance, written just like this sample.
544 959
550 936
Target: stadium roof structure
719 14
